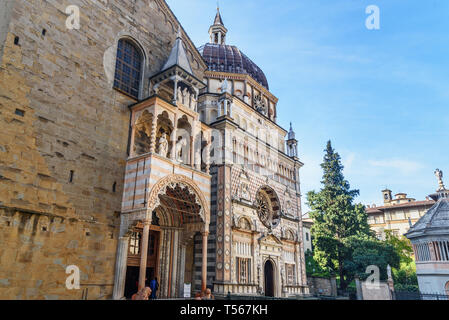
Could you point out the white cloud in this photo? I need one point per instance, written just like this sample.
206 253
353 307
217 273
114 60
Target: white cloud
348 161
405 166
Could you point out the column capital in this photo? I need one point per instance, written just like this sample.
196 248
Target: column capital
205 233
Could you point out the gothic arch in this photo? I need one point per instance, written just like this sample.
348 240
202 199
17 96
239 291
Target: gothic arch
290 235
160 186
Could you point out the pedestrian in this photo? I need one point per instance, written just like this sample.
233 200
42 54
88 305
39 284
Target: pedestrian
208 295
143 294
198 296
154 285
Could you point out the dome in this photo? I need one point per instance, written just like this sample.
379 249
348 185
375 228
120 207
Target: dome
227 58
435 221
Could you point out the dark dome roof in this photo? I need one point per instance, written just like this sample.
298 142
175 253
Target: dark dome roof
226 58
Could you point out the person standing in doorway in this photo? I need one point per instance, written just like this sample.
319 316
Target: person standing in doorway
154 285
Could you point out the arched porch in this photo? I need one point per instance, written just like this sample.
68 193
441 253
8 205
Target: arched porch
176 212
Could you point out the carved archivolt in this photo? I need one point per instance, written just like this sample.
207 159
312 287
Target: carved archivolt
171 181
244 224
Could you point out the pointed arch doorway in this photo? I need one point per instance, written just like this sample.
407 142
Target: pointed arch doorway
269 279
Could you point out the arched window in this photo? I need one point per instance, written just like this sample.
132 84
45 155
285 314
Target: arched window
128 68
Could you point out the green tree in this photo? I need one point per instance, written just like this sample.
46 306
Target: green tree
336 218
404 276
402 246
313 268
365 251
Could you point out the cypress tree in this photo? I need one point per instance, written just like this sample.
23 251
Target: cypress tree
336 218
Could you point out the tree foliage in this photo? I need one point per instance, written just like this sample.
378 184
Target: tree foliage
367 251
336 218
402 246
404 276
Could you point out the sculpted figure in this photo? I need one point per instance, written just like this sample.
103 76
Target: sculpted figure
179 94
179 146
163 145
194 102
224 86
439 175
185 94
245 191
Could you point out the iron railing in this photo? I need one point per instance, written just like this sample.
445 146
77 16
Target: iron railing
406 295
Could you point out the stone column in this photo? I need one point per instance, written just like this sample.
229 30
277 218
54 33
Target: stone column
245 89
219 108
254 260
226 107
174 138
192 147
182 270
120 268
174 263
298 268
209 142
204 263
153 133
358 286
175 90
144 253
133 136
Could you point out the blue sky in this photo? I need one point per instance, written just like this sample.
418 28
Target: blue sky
381 96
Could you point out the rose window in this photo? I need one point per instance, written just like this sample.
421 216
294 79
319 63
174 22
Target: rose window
267 206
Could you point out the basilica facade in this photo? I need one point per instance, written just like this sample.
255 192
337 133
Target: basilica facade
150 157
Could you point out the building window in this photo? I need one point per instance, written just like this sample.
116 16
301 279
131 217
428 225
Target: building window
134 244
447 288
441 250
244 270
290 272
307 236
128 68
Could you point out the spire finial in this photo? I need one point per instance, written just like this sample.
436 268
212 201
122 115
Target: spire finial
218 31
179 35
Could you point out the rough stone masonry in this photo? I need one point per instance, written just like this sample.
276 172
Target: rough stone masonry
64 139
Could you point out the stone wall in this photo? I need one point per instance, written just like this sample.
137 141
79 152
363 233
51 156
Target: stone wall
5 14
60 117
322 286
380 292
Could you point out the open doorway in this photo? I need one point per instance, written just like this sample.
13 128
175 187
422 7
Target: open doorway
133 268
269 279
